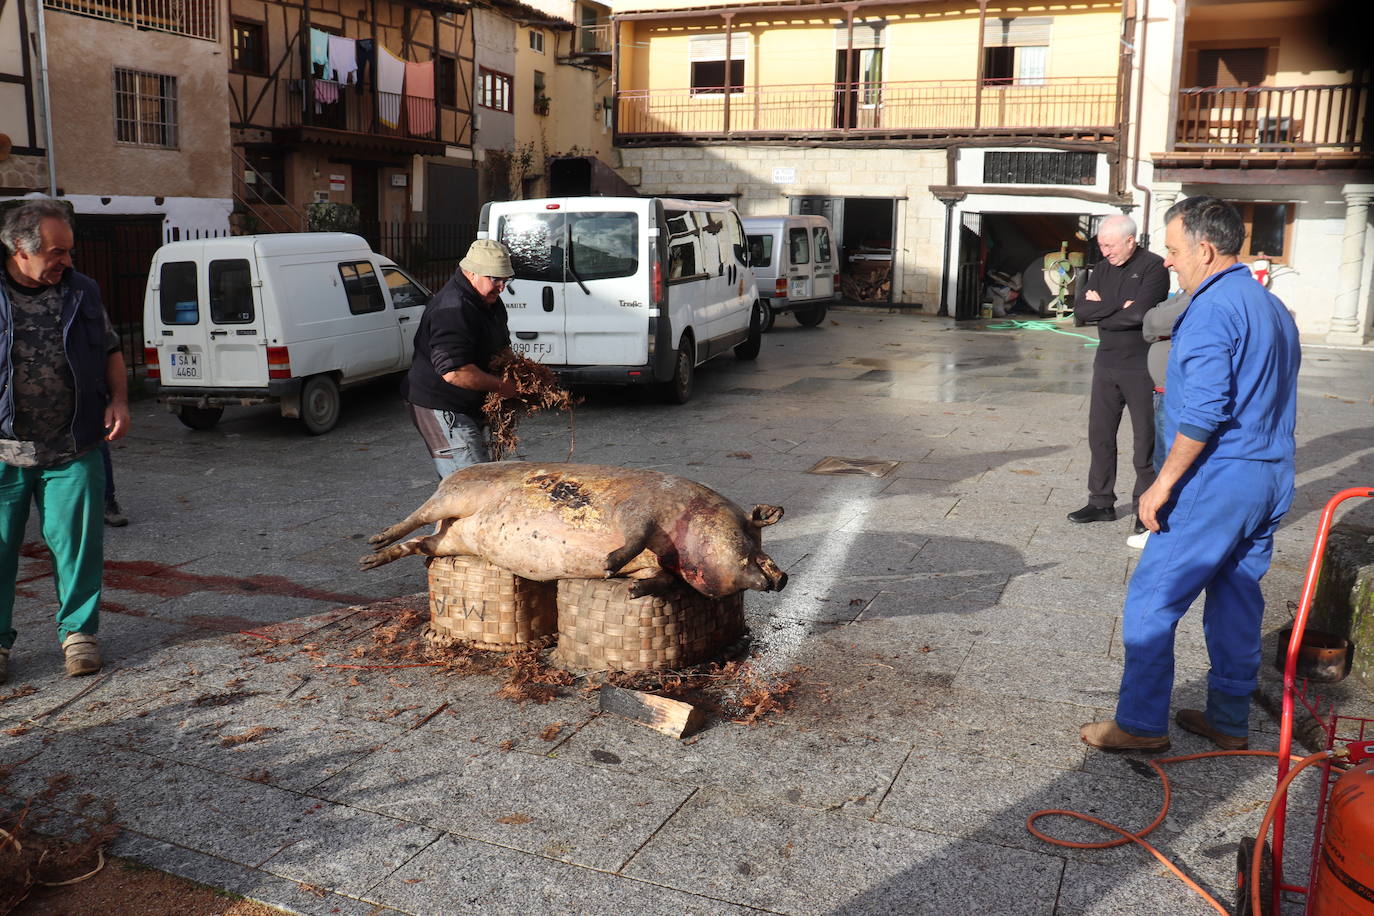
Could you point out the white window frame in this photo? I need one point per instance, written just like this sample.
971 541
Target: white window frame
135 110
536 41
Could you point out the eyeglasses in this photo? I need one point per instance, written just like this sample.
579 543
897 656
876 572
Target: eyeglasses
500 281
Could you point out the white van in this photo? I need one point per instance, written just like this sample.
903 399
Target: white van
627 290
287 319
796 264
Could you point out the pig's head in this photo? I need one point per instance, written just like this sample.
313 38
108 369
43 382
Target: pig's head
725 557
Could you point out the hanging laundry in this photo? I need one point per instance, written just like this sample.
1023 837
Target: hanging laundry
319 54
420 98
326 93
391 72
343 59
366 50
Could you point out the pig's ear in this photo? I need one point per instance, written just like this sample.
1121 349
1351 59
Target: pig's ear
763 516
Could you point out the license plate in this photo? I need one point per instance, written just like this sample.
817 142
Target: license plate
532 349
184 365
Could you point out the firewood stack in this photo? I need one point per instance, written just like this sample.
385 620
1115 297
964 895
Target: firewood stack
868 281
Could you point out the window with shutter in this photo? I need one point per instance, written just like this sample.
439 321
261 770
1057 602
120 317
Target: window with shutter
1230 67
711 71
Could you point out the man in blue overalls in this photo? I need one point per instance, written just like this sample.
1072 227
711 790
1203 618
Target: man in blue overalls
1229 412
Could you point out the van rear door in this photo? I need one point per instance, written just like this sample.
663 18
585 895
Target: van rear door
824 283
607 285
799 263
534 298
211 323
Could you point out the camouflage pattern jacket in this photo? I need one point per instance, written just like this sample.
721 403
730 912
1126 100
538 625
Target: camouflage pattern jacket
83 337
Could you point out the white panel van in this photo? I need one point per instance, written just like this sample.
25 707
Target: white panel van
627 290
288 319
795 262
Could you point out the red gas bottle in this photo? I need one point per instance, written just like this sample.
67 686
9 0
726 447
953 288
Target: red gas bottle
1345 872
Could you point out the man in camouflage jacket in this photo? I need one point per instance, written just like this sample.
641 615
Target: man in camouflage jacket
62 391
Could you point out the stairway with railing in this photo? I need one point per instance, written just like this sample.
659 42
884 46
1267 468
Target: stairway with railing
264 205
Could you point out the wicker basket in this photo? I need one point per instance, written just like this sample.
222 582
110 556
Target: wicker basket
601 627
472 600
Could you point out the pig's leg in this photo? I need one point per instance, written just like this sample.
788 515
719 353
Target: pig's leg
440 506
635 542
660 582
444 542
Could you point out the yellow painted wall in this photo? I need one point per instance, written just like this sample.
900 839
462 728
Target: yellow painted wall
936 42
1305 57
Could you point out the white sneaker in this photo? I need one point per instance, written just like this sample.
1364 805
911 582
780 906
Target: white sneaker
1138 540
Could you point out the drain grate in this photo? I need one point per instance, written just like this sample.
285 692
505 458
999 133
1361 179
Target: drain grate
863 467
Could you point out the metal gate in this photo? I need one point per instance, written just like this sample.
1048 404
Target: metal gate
968 293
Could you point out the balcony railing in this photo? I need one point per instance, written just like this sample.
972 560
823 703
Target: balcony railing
1273 118
336 106
194 18
592 39
1074 105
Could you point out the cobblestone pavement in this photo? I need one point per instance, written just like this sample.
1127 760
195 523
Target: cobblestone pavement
952 631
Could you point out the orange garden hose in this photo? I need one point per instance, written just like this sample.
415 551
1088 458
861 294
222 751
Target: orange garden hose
1139 838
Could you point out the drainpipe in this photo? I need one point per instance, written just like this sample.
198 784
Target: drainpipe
47 101
1144 28
729 65
978 83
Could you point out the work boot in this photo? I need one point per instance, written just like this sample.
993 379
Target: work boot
1092 513
1108 736
114 517
82 654
1195 721
4 665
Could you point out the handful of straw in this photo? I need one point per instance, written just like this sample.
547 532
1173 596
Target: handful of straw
538 390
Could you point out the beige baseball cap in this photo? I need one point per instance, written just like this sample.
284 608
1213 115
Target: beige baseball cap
487 258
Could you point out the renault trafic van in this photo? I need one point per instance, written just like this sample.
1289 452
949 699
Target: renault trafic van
285 319
627 290
795 262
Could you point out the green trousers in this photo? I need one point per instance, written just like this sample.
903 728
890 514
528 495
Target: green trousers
70 500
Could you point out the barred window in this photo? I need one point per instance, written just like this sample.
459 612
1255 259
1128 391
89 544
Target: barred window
1018 167
145 108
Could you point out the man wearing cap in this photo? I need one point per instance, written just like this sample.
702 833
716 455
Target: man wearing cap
462 330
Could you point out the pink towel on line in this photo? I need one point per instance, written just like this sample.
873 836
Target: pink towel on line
419 94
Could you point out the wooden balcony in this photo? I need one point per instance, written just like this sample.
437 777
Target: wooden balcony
1079 107
1275 119
349 115
591 40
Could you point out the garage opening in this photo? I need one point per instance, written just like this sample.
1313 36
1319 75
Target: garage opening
1002 259
867 230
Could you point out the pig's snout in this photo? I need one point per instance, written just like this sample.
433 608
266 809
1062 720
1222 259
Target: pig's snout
775 580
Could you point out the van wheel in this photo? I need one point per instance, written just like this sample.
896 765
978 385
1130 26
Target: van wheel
679 390
201 418
810 317
750 348
769 316
319 404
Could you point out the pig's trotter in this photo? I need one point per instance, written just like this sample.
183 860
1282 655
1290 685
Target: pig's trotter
660 583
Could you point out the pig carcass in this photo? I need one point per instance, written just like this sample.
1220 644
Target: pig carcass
586 521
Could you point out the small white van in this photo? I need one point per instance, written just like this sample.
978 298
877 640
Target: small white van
627 290
288 319
795 262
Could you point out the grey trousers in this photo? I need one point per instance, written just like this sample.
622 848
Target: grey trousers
1112 390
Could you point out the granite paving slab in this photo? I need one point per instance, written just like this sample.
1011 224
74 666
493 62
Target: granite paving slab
794 860
558 808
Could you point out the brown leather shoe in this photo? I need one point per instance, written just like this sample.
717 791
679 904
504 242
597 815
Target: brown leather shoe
1108 736
1195 721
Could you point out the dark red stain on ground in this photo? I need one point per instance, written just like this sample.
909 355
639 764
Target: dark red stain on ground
158 579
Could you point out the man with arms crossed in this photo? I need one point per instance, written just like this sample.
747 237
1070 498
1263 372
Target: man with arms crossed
1125 284
63 390
1229 409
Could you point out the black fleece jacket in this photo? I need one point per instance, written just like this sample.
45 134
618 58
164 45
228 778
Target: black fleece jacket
1144 282
456 330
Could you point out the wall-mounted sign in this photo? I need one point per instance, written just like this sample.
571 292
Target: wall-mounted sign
338 182
783 175
321 197
398 179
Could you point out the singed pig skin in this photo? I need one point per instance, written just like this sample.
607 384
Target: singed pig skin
586 521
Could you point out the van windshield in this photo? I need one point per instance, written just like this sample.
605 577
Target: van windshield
761 250
604 245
